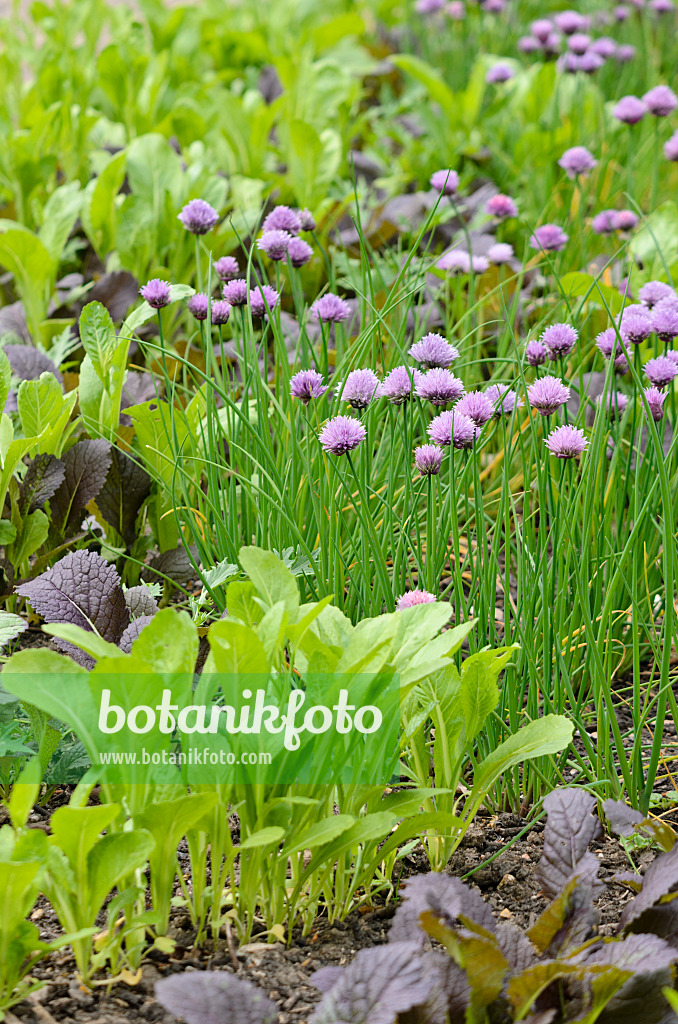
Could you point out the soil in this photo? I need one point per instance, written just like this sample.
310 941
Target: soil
502 867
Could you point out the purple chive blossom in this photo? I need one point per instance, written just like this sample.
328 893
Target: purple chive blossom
629 110
478 406
236 292
262 299
635 309
198 217
654 291
549 238
665 322
220 312
528 44
299 252
307 385
413 597
671 148
428 459
503 399
499 73
429 6
577 161
359 388
661 6
446 182
439 386
590 62
452 428
614 403
307 220
625 53
621 13
397 385
433 350
625 220
198 305
541 29
281 218
227 268
341 435
635 328
493 6
479 264
547 394
275 243
456 10
156 293
500 253
604 223
608 346
579 43
330 309
604 47
655 400
455 260
569 22
660 101
559 340
660 371
566 442
501 207
535 353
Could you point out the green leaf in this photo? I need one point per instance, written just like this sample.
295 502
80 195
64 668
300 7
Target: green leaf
432 80
269 836
235 649
113 858
478 690
10 625
59 216
592 289
7 532
274 582
85 639
5 378
98 209
43 407
320 833
97 333
240 602
25 792
32 535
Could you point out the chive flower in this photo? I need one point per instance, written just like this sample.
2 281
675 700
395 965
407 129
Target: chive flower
614 403
535 353
198 305
428 459
504 400
330 309
446 182
307 385
198 217
604 223
604 46
360 388
299 252
569 22
439 386
500 253
671 148
541 29
341 435
307 220
665 322
547 394
502 207
220 312
433 350
227 268
499 73
281 218
625 220
262 299
559 340
660 371
660 101
549 238
635 328
235 292
629 110
452 428
625 53
156 293
654 291
577 161
478 406
397 385
413 597
275 244
579 43
566 442
655 400
609 347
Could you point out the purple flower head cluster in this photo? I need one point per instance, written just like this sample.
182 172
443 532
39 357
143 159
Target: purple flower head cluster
414 597
654 291
665 322
588 63
281 218
625 53
446 182
614 403
609 347
604 46
452 428
501 72
547 394
341 434
156 293
220 312
307 385
549 238
661 101
635 327
535 353
566 442
198 305
478 406
439 386
262 299
503 399
227 268
625 220
579 43
299 252
429 6
360 388
661 6
236 292
604 222
528 44
307 220
433 350
577 161
428 459
569 22
629 110
500 253
559 340
502 207
275 243
330 309
456 10
671 148
397 385
198 217
660 371
655 400
463 262
541 29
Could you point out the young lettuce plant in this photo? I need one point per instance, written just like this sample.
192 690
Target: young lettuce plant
481 970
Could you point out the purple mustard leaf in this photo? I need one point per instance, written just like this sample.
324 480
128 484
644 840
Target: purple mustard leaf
450 991
132 632
44 475
174 563
140 601
570 828
86 465
215 997
84 589
447 896
622 819
516 947
28 363
125 489
660 878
